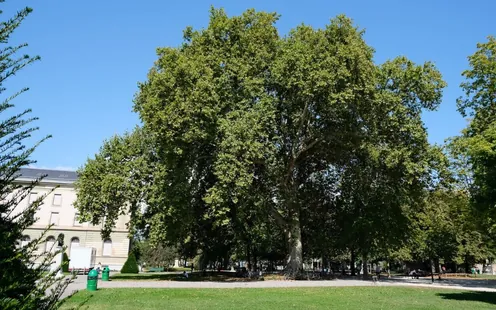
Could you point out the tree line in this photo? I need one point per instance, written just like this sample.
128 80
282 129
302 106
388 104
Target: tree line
261 147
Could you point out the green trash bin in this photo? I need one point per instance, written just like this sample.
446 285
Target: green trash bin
92 282
105 274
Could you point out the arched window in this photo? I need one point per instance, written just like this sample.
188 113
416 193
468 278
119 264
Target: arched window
50 244
25 240
107 247
74 243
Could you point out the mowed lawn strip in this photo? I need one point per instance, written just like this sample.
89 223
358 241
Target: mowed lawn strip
282 298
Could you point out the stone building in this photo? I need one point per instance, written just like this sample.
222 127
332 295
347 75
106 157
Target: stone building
58 209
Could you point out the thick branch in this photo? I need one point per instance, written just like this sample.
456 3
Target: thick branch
279 218
294 155
306 148
303 115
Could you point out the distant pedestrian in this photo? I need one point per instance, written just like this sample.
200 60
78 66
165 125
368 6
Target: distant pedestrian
99 267
413 274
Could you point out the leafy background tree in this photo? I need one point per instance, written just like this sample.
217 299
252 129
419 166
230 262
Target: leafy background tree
117 181
159 255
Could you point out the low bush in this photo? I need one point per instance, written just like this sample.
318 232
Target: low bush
130 266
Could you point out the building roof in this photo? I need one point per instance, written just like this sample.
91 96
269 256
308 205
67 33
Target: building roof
61 176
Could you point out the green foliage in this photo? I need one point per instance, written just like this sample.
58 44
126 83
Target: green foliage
116 181
480 87
264 116
475 148
23 285
158 255
131 265
251 139
65 262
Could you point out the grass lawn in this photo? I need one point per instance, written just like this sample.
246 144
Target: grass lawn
288 298
484 276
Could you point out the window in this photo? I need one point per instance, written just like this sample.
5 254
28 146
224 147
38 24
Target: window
76 220
54 218
57 199
33 197
50 244
107 247
74 243
25 240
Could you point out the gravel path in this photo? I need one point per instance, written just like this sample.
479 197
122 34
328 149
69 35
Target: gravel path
80 284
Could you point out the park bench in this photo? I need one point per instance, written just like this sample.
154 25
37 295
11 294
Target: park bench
457 275
78 271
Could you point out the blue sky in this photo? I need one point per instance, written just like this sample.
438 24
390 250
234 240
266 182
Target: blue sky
95 52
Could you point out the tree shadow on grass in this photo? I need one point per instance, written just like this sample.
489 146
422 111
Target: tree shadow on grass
487 297
192 277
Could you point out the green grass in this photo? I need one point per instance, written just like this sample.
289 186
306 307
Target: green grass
288 298
484 276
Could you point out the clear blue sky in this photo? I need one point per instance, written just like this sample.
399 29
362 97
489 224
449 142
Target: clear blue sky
94 52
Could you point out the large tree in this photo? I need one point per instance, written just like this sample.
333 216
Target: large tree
24 282
476 147
237 105
239 112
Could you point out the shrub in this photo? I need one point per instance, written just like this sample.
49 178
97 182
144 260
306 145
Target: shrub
130 266
65 262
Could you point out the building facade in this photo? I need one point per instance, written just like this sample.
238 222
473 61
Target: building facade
58 209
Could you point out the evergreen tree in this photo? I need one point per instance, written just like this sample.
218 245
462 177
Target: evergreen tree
23 283
65 262
130 266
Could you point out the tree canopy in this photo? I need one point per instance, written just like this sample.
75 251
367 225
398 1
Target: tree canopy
257 137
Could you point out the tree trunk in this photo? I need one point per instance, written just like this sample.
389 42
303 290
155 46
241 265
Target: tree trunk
226 262
352 263
433 269
440 268
365 267
295 259
248 258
